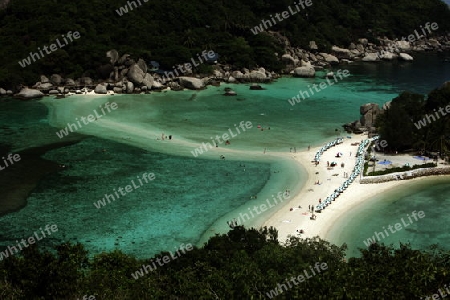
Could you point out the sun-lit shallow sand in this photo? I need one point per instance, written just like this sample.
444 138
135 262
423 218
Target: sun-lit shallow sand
288 221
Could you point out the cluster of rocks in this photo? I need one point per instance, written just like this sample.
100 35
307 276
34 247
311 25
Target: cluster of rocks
224 73
405 175
369 113
129 76
55 85
303 63
4 92
123 74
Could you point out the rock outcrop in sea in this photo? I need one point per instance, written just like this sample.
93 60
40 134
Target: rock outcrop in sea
369 113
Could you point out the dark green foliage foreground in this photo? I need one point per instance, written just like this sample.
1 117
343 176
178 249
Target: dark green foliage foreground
172 32
414 121
243 264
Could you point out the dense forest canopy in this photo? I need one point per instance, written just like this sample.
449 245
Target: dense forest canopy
243 264
172 32
418 122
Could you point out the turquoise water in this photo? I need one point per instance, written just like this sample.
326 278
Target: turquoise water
191 198
428 195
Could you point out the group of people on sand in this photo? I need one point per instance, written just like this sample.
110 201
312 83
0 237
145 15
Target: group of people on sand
163 137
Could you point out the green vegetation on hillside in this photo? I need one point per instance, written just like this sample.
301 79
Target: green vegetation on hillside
243 264
419 123
172 32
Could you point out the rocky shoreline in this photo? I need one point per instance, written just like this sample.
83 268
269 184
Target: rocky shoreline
125 75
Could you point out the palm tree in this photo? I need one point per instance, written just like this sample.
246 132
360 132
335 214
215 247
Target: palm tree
189 38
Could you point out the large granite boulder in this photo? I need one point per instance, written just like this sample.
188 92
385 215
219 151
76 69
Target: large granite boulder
56 79
148 81
130 87
192 83
434 43
363 41
100 89
27 93
113 55
313 45
288 59
403 45
157 85
257 75
123 58
386 55
141 63
342 53
237 74
44 79
406 57
369 113
135 74
371 57
45 86
306 71
231 79
2 92
70 82
331 59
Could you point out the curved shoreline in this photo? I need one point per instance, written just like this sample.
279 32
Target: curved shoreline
288 221
283 219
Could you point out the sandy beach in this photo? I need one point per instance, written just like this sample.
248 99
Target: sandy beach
148 136
295 215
